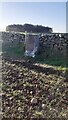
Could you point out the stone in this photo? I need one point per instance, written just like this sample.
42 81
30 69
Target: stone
43 106
33 100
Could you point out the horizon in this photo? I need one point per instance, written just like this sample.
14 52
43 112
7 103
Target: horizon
37 13
29 24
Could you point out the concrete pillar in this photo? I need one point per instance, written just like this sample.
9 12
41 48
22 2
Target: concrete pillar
31 44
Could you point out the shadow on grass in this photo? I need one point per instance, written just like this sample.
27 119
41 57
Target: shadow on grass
53 60
16 51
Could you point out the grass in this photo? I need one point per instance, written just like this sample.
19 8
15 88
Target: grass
17 50
14 50
54 60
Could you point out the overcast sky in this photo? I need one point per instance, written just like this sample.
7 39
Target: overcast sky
52 14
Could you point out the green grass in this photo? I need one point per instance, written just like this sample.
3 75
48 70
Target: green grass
17 50
54 60
14 50
57 61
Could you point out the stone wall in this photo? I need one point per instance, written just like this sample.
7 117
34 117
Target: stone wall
10 37
56 42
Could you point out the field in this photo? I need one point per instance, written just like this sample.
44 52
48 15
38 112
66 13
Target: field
33 88
16 51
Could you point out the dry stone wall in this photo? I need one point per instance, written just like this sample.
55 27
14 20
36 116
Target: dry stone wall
56 42
9 37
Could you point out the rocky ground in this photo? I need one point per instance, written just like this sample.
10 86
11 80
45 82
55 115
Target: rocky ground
30 91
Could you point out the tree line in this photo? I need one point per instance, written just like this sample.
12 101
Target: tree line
29 28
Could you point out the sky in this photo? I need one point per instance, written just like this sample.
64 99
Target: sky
51 14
